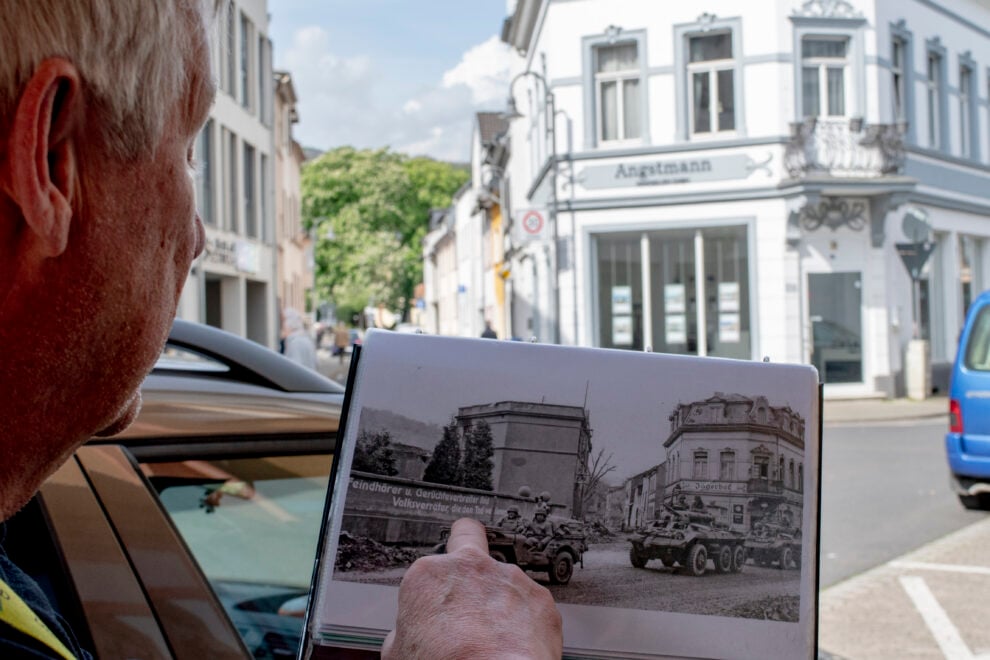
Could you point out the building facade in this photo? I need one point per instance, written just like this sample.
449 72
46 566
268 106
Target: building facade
465 267
736 457
294 248
542 447
233 285
741 180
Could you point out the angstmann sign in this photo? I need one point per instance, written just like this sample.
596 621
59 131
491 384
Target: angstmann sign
668 171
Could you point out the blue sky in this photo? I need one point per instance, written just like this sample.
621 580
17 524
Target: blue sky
397 73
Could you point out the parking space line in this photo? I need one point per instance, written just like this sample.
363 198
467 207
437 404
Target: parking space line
946 568
943 630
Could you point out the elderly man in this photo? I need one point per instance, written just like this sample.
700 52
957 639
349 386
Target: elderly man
100 105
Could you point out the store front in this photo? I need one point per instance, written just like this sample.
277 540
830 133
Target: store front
684 291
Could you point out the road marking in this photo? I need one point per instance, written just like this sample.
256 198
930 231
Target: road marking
947 568
943 630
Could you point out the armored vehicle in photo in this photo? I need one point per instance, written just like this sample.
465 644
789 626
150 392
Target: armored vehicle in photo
773 543
556 557
688 539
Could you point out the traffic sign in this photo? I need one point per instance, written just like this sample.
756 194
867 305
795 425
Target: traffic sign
532 222
914 256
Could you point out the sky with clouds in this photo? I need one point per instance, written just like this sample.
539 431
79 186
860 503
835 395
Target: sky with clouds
392 73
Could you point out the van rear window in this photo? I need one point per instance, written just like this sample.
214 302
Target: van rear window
978 346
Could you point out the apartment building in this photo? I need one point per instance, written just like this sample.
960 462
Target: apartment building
806 181
294 247
233 284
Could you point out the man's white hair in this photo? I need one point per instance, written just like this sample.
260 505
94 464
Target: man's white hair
133 56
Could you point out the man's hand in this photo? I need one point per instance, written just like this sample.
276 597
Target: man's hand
464 604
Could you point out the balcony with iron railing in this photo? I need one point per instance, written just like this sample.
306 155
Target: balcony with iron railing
844 148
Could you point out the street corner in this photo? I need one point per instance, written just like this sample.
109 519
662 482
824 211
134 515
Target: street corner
925 604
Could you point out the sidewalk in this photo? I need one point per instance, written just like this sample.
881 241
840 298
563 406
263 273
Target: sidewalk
851 411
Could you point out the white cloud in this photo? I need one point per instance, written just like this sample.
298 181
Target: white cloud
349 100
484 69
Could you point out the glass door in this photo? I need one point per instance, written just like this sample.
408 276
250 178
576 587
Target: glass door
834 305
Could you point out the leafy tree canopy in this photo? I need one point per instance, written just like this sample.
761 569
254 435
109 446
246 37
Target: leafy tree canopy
373 453
445 464
369 211
476 471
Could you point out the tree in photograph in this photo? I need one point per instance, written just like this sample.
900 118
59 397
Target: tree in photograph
445 464
599 465
476 471
373 453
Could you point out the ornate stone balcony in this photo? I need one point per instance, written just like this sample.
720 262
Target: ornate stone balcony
844 148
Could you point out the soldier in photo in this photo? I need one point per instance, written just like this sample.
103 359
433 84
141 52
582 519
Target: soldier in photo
511 522
540 530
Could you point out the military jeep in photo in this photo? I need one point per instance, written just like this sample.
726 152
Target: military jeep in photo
688 539
771 543
556 558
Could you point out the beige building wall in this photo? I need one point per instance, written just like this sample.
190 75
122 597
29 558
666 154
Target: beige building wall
293 245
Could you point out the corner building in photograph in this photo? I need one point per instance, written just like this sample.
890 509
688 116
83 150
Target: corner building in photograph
742 179
740 456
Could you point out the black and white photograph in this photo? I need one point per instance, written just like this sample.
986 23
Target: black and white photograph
623 482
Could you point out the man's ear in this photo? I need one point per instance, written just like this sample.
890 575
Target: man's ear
42 156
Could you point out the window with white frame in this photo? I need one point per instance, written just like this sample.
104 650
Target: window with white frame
617 91
727 465
204 174
933 93
824 61
965 114
247 39
701 464
898 79
711 83
250 203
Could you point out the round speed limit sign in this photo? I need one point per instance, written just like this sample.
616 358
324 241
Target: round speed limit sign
532 222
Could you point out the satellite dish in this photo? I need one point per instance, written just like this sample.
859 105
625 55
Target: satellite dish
915 224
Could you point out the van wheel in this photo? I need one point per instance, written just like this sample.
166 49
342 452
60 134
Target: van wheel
975 502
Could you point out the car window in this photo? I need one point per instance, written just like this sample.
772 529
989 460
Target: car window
179 358
252 524
978 346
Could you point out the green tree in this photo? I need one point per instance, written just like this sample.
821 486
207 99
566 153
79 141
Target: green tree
373 453
369 211
476 470
445 464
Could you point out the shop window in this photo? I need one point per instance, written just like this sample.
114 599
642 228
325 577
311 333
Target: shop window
618 89
824 61
650 285
711 81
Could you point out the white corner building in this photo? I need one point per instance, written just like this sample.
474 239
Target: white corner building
741 179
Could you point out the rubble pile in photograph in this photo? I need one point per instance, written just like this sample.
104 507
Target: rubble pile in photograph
359 553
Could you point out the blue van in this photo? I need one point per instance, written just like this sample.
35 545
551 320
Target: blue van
968 441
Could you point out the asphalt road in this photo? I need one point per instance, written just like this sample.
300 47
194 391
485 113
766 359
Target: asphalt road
885 492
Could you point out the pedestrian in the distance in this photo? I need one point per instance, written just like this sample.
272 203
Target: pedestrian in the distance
299 346
489 332
341 338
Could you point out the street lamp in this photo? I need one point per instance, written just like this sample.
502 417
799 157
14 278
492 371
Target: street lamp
511 113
